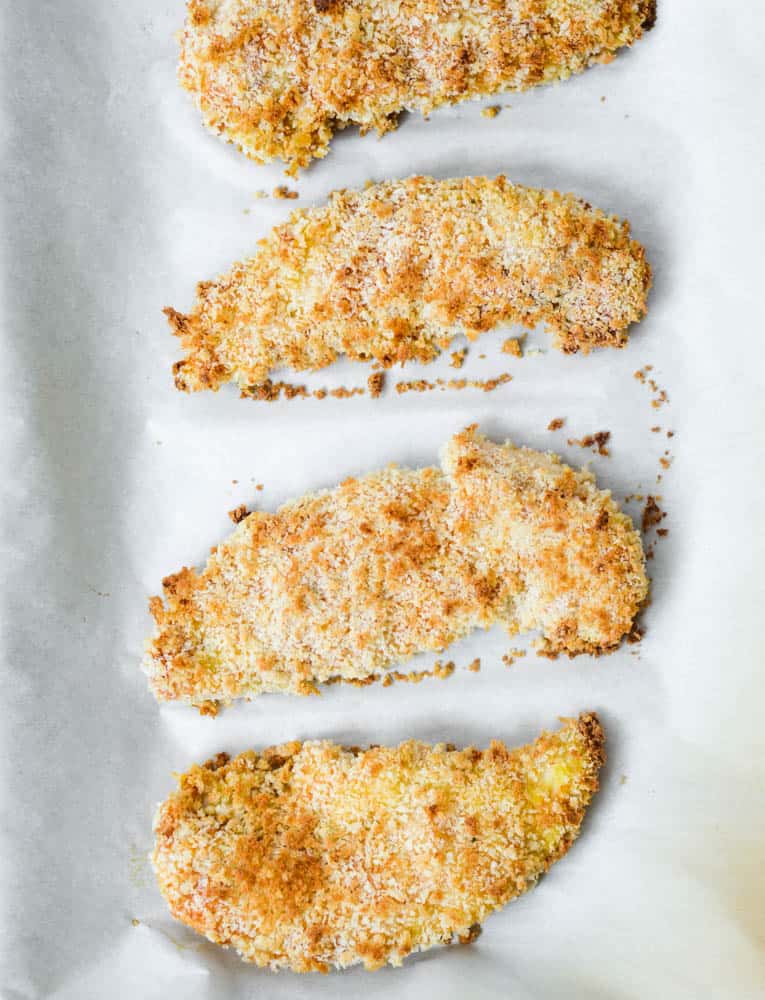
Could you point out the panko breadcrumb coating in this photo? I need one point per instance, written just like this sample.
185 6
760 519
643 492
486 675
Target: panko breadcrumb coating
277 79
394 272
309 856
346 583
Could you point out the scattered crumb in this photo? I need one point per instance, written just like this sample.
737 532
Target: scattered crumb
662 532
534 352
491 112
665 461
481 355
320 393
210 708
655 430
473 933
670 434
259 486
556 424
597 442
458 358
514 346
282 191
652 514
238 514
514 654
135 922
602 100
342 393
475 666
376 384
423 385
623 779
261 194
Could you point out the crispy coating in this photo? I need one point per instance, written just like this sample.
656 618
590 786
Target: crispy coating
349 582
277 79
310 855
394 272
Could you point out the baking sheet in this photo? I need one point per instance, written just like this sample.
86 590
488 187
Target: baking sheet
115 202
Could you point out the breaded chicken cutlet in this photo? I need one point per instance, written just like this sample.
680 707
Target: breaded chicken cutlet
394 272
346 583
312 856
277 79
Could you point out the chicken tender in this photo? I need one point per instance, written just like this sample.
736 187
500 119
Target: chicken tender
277 79
309 856
394 272
346 583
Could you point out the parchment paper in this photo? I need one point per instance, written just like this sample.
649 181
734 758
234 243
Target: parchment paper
115 202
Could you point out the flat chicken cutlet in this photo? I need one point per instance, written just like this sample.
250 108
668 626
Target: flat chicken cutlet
277 79
394 272
346 583
311 855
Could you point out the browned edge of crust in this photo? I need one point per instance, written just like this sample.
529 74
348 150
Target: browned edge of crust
589 726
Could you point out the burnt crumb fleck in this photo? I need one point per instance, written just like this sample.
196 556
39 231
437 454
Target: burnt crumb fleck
652 514
597 442
238 514
376 384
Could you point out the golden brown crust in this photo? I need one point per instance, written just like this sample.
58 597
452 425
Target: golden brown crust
395 271
279 79
350 582
309 856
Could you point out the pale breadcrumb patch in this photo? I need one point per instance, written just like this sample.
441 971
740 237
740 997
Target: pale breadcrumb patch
277 79
393 273
353 581
312 856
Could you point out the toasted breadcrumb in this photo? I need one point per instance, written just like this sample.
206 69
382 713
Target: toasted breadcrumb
491 112
393 273
352 581
278 79
514 654
310 856
285 193
514 346
597 442
458 358
556 424
376 384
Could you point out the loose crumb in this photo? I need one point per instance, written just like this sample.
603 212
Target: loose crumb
376 384
514 346
210 708
423 385
652 514
238 514
491 112
135 922
458 358
259 486
282 191
597 442
512 655
655 430
556 424
475 666
342 393
623 779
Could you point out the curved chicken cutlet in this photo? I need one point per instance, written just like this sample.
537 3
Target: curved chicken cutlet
394 272
277 79
346 583
309 856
